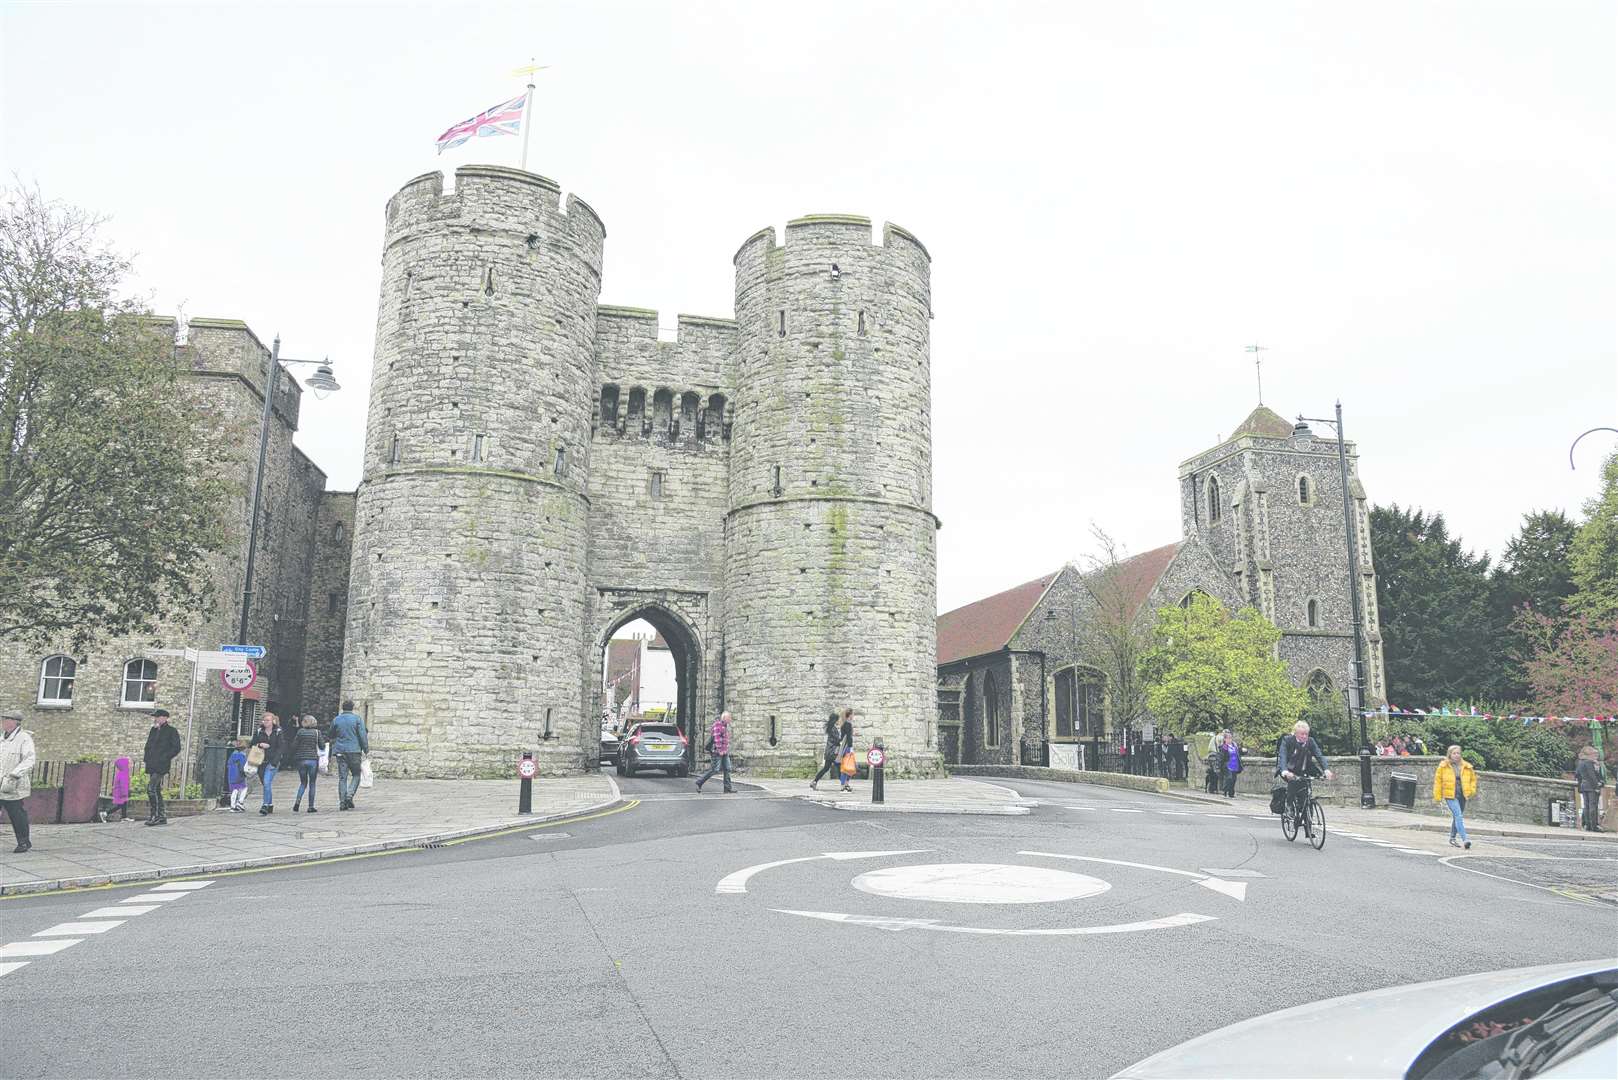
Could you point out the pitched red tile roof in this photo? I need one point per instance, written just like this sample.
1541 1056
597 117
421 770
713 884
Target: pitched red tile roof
986 625
1139 574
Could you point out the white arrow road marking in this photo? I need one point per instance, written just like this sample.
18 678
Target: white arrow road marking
7 969
118 911
183 886
737 882
1185 918
36 948
1236 889
70 929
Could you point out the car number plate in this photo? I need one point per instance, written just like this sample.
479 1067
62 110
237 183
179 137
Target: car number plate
660 746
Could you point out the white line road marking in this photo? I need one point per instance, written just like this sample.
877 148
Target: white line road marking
1081 808
1185 918
36 948
737 882
153 897
1415 851
1235 889
1178 813
183 886
8 968
118 911
1219 815
71 929
1124 810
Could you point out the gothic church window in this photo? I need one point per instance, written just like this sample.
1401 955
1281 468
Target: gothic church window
56 677
337 532
1306 493
1318 684
140 684
1213 499
1314 614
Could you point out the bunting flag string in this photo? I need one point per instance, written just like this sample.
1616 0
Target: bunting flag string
1394 710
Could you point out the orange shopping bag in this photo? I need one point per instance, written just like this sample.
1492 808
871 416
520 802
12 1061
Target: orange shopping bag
849 767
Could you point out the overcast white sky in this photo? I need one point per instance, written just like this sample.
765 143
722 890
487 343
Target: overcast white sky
1411 204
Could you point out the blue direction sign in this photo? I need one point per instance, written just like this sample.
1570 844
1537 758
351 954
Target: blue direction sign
255 652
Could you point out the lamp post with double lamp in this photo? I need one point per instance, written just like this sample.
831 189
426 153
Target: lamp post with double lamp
324 384
1356 701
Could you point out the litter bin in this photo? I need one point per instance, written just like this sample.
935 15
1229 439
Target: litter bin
1402 790
214 757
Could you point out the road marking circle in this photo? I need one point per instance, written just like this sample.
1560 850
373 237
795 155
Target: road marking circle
979 883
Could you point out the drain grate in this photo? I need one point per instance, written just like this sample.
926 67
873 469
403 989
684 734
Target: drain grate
432 844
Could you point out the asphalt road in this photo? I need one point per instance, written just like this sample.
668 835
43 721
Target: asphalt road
601 948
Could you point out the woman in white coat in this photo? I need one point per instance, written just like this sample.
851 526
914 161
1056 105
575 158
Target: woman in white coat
16 762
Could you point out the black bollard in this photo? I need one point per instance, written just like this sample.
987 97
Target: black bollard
877 758
525 790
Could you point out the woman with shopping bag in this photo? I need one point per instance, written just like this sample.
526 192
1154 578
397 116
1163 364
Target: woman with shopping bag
847 765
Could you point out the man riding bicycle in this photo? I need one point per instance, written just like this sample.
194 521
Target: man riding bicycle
1297 758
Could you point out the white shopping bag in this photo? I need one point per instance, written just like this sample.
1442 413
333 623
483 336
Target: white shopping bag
367 779
325 759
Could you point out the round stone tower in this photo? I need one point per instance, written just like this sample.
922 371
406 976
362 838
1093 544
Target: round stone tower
831 568
467 605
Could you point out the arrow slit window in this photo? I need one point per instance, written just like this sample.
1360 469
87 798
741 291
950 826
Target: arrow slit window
140 684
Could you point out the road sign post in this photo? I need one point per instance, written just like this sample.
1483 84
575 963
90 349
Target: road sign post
527 768
876 758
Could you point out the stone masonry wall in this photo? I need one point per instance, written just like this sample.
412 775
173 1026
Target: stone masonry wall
830 578
328 605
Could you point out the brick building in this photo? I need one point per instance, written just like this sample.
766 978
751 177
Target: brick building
1263 520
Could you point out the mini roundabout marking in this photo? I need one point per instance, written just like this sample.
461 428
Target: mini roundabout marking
984 883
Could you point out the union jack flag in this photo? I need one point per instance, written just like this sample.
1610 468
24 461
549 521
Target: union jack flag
503 119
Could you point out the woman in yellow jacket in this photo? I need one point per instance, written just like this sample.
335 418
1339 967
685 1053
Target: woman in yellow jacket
1454 782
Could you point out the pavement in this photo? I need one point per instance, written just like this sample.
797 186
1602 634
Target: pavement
394 813
952 795
682 935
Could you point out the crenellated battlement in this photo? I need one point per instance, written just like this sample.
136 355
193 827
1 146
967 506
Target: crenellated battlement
828 229
495 198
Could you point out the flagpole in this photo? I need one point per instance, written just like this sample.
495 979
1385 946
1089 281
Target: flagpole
527 119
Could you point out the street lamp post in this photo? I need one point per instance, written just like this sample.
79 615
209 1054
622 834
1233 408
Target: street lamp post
1356 698
1575 445
323 383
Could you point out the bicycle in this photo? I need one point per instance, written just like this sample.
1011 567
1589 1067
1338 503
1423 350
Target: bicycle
1303 810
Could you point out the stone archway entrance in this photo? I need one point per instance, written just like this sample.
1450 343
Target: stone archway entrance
685 649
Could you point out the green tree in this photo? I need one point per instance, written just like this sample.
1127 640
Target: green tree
1208 668
1115 636
1536 573
110 490
1595 552
1441 632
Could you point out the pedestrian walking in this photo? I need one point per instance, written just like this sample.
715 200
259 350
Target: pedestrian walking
236 777
1588 774
1212 779
719 747
349 744
305 750
845 735
1232 763
1454 782
834 743
16 763
264 753
162 747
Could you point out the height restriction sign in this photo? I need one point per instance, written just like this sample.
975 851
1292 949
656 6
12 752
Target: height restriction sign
237 679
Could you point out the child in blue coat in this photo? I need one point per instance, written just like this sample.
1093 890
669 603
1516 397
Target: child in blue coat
236 775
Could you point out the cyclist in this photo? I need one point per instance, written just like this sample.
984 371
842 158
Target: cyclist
1297 758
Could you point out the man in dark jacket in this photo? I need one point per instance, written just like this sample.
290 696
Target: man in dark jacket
162 747
1299 756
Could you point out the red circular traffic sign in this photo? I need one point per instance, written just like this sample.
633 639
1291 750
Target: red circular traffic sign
874 757
527 768
238 679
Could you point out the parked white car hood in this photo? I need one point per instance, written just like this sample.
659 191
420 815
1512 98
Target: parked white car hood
1375 1034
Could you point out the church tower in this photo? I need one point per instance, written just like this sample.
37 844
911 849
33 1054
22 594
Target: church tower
1268 502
